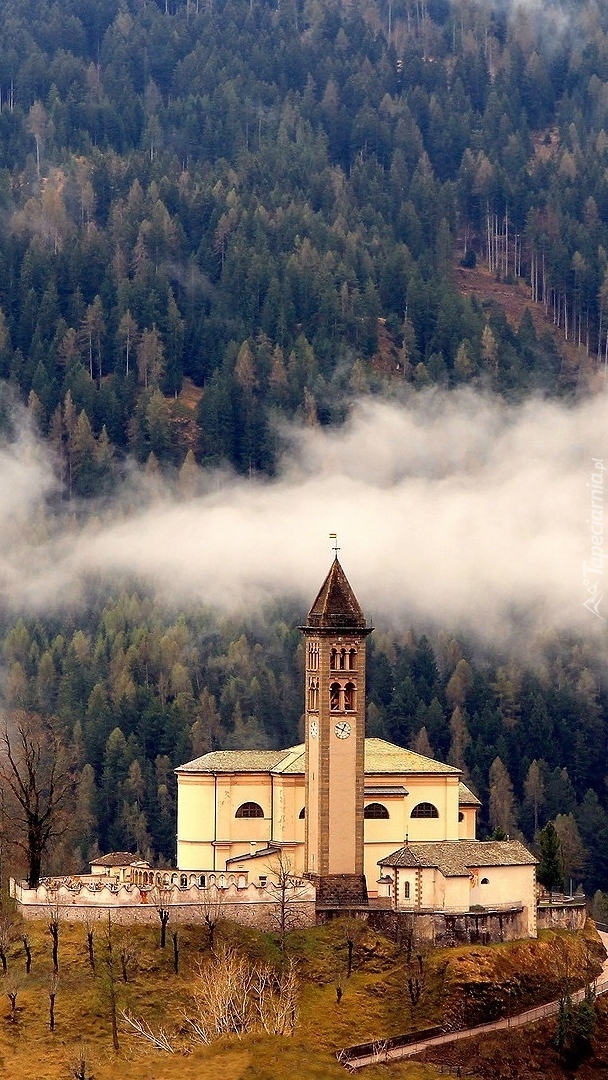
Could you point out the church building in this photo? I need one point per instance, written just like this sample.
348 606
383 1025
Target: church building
360 818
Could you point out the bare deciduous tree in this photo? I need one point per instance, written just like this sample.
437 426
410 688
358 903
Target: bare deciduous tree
53 907
39 778
109 964
158 1039
175 939
416 978
28 953
209 909
11 989
128 956
277 995
288 893
80 1068
162 898
128 335
350 934
37 124
90 944
52 995
234 995
7 935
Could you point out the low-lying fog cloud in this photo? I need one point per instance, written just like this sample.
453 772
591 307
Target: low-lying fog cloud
453 510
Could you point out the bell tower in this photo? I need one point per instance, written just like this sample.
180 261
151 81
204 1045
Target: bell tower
335 635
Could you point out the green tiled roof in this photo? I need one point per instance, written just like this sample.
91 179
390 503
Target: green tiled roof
456 858
381 757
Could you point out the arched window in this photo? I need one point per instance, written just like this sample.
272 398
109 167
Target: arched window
249 809
313 695
302 813
350 697
352 659
406 890
183 881
460 815
342 659
334 697
202 881
333 659
485 881
375 810
425 810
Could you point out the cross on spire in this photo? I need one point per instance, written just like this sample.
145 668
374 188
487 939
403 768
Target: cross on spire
335 549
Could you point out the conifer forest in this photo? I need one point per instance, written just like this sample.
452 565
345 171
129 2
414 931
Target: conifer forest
221 220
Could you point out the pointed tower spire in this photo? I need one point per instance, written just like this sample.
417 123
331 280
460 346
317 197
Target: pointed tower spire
336 604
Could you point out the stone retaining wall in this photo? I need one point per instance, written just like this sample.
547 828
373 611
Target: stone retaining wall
262 915
565 915
446 928
127 904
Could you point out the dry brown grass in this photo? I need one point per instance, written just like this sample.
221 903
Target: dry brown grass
373 1005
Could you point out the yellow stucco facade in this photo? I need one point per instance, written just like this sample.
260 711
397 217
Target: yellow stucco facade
214 789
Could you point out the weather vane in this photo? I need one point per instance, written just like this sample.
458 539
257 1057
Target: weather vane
335 549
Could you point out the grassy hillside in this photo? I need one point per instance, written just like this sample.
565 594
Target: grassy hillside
374 1003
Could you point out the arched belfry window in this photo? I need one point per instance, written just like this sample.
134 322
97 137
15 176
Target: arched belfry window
375 810
313 655
313 694
425 810
249 810
342 659
334 697
350 697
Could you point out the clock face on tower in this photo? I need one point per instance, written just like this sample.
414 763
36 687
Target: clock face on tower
342 729
314 729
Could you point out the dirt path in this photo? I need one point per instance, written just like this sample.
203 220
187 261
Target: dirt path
528 1017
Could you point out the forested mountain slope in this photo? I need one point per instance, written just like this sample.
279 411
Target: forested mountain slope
242 195
236 192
